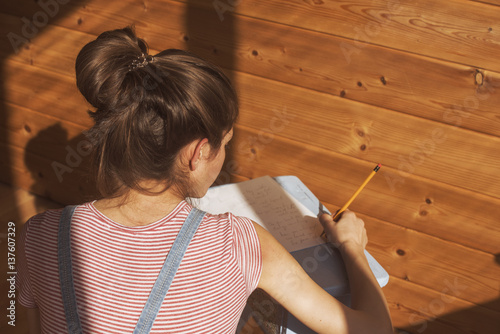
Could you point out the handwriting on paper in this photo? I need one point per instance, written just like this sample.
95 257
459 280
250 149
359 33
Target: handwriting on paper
265 202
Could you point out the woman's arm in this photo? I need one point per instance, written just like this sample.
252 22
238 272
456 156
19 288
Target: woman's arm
285 280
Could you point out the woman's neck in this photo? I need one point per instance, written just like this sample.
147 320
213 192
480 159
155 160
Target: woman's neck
138 209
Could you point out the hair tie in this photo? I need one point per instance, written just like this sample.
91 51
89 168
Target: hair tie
141 61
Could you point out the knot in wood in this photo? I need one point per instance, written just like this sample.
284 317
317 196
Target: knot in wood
479 78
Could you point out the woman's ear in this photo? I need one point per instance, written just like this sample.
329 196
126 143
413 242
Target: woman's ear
196 153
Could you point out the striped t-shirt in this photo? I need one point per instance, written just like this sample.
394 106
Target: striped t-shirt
115 267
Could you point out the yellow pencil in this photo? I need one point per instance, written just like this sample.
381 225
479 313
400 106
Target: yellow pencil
346 205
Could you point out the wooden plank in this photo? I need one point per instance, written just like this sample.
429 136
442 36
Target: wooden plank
51 93
434 263
378 76
39 132
431 28
93 18
13 200
19 205
54 49
449 213
409 144
420 310
36 174
48 156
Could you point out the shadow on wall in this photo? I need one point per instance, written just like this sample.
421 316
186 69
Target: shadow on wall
25 20
22 22
211 34
486 320
63 173
442 325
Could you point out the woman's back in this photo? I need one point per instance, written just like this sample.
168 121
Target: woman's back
115 266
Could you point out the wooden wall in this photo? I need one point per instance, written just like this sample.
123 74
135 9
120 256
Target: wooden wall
327 89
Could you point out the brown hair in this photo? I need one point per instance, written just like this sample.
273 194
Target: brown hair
147 108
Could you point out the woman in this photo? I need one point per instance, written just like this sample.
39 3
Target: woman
161 125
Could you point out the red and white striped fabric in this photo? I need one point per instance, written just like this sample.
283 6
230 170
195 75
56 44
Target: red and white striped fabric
115 267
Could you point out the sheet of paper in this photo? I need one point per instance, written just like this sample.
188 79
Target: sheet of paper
264 201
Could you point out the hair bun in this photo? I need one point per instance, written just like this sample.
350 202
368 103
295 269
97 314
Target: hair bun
101 65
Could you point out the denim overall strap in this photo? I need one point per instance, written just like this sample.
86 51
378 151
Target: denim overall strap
65 271
167 272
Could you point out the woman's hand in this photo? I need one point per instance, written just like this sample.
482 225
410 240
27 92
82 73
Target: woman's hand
348 230
287 282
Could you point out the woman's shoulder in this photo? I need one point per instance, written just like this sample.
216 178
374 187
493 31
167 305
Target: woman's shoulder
226 223
229 219
48 219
